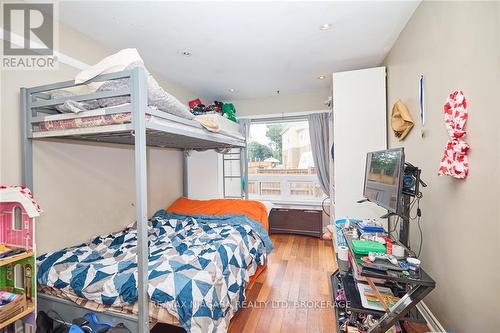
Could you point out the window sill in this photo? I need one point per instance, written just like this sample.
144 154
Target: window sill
295 204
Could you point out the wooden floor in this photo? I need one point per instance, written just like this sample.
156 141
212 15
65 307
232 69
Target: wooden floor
298 274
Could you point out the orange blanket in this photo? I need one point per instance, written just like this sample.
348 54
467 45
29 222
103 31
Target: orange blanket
253 209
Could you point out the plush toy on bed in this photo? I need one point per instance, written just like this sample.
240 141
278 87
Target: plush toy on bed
229 111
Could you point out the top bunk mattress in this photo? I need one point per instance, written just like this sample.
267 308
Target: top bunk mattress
121 114
88 103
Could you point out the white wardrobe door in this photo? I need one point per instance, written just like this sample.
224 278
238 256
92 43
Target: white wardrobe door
360 121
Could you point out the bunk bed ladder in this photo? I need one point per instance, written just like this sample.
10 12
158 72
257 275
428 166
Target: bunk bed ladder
234 170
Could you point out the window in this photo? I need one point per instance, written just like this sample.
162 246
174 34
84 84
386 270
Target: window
280 163
17 219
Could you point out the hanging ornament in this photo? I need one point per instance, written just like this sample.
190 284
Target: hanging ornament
455 161
421 102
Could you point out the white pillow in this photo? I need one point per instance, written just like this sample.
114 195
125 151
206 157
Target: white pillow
157 97
114 63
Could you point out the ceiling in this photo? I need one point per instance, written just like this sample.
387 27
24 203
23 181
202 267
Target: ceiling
255 48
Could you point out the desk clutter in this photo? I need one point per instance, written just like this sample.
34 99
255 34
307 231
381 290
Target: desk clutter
376 278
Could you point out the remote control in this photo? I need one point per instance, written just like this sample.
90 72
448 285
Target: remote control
389 257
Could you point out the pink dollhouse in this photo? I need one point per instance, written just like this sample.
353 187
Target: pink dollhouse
18 210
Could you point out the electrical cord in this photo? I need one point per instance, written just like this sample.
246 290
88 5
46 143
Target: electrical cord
395 226
412 204
421 238
415 201
417 216
323 206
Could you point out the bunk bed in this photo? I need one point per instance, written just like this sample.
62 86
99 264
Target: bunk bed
135 124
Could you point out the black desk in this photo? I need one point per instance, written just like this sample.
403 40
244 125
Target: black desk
417 285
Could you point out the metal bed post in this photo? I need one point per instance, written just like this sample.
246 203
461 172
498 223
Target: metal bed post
244 173
245 128
185 173
139 100
27 143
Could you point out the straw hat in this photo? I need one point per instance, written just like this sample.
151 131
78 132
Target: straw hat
401 120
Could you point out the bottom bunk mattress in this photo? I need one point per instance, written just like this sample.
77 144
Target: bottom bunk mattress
157 313
199 267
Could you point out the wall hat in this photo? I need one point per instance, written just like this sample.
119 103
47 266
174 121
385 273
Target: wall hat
401 120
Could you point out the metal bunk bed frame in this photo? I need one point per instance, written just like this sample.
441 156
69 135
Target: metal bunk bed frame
177 132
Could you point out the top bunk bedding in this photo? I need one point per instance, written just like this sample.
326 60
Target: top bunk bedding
98 106
121 114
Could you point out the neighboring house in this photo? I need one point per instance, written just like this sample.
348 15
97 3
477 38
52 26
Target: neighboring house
295 143
254 166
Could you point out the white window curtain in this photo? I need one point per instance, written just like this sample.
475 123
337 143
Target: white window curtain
319 133
244 129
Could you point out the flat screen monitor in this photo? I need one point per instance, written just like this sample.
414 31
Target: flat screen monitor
383 178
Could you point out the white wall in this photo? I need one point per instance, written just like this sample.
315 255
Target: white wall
456 46
204 175
282 103
83 189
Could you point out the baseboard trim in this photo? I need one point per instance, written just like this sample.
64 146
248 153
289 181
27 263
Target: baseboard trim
273 231
429 317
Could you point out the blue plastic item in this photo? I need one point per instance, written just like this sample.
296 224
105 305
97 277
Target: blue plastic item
75 329
371 229
94 324
339 224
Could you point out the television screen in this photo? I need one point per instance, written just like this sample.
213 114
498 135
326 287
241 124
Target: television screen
383 177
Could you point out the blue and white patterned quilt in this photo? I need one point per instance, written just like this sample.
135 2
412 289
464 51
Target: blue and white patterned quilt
199 267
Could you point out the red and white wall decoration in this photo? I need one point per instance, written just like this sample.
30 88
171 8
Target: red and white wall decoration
455 161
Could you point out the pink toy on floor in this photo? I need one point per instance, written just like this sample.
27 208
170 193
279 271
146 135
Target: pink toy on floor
328 235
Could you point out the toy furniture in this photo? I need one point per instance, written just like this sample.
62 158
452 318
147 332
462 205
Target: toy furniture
18 211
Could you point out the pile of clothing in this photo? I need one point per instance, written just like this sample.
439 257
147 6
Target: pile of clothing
224 109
